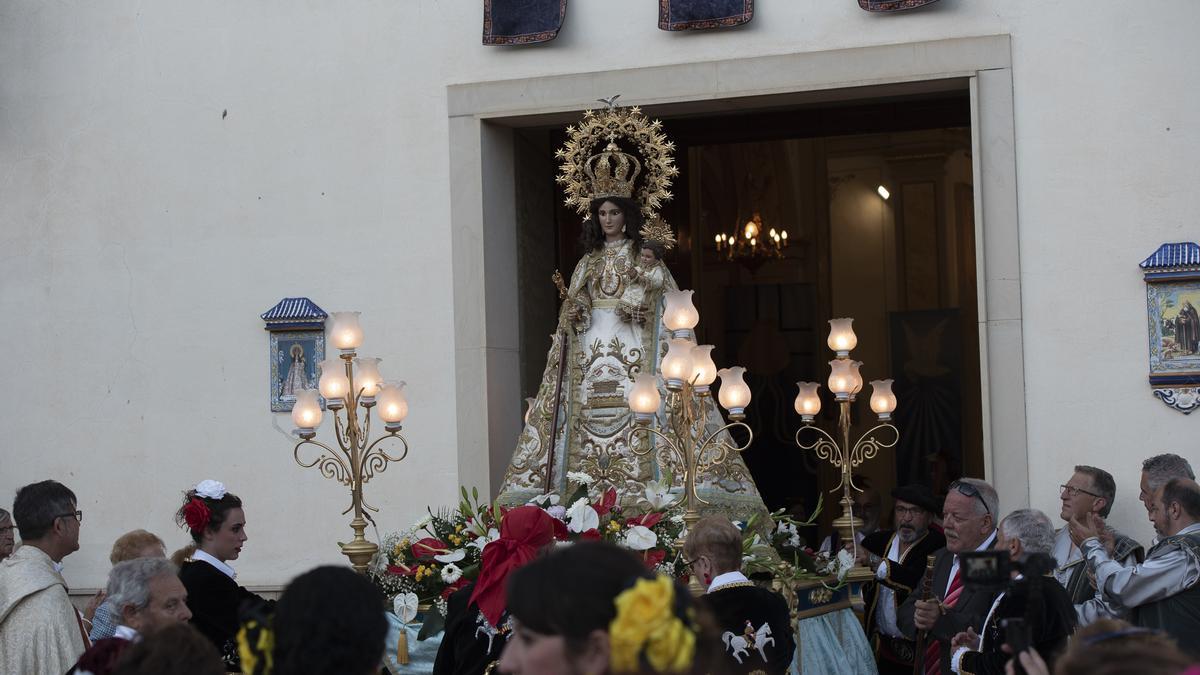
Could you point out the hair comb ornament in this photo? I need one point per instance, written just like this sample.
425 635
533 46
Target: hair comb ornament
659 231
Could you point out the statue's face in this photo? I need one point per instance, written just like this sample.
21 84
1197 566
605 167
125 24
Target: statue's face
612 220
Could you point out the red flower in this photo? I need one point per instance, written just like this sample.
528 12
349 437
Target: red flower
648 520
653 557
590 534
448 590
429 547
401 570
197 515
607 502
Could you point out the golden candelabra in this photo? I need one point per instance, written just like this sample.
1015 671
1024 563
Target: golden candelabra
688 371
355 461
845 383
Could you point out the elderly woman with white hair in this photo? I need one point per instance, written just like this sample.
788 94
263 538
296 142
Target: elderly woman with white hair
146 595
1034 609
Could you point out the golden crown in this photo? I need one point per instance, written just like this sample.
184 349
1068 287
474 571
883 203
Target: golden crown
585 176
612 172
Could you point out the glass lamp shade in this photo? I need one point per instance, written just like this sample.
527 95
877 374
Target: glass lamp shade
393 406
734 395
844 380
333 383
680 314
366 377
883 401
841 336
306 413
808 402
677 364
346 334
704 371
644 397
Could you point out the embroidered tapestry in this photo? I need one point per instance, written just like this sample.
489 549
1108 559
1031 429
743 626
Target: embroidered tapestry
892 5
522 22
703 14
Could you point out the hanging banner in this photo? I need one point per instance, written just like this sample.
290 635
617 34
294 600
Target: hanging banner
522 22
703 14
892 5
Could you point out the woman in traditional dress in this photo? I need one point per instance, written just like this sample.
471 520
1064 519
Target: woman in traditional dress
580 418
217 523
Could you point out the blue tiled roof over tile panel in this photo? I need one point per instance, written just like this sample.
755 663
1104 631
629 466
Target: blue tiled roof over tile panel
1171 256
294 312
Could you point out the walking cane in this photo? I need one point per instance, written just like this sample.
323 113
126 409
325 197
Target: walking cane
926 595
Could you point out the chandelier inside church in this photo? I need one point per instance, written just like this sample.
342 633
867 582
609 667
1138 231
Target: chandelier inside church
750 241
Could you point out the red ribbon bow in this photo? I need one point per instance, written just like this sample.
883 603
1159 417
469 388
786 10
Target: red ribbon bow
524 531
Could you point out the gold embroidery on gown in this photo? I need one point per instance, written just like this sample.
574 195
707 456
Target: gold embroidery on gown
603 355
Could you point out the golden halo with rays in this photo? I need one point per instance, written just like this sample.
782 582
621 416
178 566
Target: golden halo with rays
656 154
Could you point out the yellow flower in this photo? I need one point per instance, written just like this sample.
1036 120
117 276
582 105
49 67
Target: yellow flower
458 528
670 649
614 526
643 615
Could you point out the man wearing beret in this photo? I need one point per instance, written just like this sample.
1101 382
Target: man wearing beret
898 558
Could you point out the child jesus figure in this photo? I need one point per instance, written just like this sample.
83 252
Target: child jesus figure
644 284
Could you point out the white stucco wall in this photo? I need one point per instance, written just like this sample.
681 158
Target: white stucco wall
141 232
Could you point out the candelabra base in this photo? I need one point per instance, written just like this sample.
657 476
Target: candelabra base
360 551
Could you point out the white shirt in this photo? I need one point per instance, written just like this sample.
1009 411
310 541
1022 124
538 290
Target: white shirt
221 567
726 579
956 659
126 633
987 543
885 618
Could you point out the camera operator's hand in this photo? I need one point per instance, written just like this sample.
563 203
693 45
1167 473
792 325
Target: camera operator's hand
1031 661
927 613
968 638
1090 525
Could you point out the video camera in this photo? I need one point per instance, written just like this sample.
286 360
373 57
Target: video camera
992 570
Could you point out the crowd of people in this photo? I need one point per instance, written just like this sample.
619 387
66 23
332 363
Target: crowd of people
957 588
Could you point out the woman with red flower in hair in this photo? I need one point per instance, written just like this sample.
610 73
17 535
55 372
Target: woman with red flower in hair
215 519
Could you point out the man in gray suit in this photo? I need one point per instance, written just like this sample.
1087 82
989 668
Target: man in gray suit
969 519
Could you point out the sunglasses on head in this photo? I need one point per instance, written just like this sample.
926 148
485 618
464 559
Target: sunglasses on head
968 490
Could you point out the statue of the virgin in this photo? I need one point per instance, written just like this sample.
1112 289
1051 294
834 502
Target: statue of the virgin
578 424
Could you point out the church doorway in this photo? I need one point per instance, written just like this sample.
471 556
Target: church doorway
876 196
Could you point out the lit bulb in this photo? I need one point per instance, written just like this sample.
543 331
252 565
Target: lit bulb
644 397
808 403
680 315
306 412
883 401
842 376
367 377
393 406
735 394
346 333
333 383
677 364
883 192
841 336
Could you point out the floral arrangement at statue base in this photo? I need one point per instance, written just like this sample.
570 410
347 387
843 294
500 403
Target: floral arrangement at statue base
442 553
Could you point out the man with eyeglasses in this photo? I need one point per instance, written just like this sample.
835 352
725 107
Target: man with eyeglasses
40 631
898 559
1163 592
969 522
1089 491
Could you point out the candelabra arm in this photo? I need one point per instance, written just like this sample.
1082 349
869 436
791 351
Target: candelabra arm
375 460
651 431
722 445
824 446
340 433
330 465
867 446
